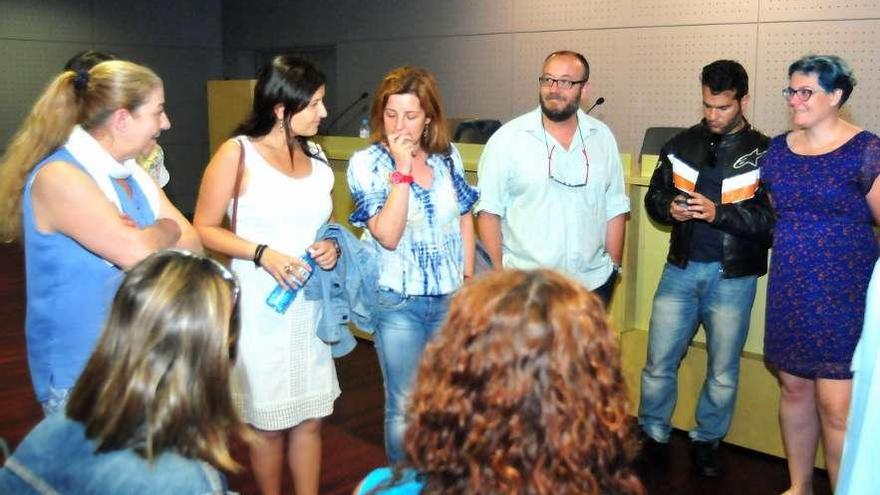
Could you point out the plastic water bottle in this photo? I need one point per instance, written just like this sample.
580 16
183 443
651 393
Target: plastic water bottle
364 130
281 297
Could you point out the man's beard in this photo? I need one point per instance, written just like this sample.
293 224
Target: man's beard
562 114
727 129
734 123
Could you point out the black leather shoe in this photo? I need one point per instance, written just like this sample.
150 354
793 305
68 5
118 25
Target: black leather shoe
653 452
706 458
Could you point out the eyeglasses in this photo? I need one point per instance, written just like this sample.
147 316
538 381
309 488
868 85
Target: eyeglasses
226 275
803 94
579 183
220 270
217 268
548 82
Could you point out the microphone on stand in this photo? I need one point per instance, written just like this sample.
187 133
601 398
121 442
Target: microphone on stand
600 100
359 99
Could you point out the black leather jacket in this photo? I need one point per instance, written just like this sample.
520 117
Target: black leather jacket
746 226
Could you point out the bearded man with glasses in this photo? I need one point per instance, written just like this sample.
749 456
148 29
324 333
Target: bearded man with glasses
551 182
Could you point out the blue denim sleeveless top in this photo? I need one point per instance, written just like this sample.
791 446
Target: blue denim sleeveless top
69 289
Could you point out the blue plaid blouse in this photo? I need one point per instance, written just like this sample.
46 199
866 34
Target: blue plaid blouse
428 260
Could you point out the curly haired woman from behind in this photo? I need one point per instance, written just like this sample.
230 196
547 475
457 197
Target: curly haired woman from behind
520 392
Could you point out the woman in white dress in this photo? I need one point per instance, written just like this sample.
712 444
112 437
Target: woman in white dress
285 380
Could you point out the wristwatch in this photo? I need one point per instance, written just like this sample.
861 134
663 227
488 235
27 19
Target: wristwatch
399 178
616 268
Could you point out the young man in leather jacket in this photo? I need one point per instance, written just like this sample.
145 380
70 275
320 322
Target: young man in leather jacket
707 187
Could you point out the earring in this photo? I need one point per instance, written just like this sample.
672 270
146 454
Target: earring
425 132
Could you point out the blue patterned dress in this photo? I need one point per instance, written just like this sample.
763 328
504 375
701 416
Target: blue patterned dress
823 253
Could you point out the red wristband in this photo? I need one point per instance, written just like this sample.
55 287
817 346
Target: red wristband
399 178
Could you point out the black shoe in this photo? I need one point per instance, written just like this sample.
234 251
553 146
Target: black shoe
706 458
653 452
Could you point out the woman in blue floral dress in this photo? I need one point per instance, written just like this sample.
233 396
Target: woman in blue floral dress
823 180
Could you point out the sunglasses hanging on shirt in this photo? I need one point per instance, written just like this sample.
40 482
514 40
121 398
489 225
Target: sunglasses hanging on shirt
554 175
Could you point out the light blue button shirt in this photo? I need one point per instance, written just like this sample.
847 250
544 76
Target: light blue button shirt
545 224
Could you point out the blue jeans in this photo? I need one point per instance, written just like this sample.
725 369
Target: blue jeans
404 326
684 298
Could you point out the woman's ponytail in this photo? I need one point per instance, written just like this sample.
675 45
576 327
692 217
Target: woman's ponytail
46 127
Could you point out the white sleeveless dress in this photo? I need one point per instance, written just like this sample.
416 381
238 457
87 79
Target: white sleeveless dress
284 373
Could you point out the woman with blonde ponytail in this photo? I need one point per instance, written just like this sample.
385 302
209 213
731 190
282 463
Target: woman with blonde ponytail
71 191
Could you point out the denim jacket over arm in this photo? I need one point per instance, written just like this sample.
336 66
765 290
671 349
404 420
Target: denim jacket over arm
346 292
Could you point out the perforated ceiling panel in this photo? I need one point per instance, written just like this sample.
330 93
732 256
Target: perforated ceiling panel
645 54
420 18
554 15
682 12
665 65
183 71
46 20
35 64
808 10
181 39
473 72
159 22
256 24
781 44
551 15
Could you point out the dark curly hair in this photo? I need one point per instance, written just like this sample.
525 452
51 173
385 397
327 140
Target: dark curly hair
522 392
726 75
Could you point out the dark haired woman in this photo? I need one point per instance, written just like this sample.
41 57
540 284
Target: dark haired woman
285 378
151 412
823 180
410 193
521 391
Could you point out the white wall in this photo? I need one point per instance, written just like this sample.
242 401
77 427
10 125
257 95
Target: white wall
645 55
